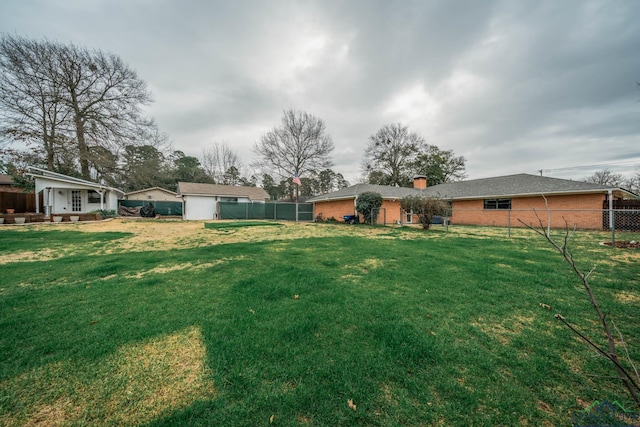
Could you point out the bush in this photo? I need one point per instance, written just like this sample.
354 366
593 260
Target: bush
106 213
330 220
424 207
367 205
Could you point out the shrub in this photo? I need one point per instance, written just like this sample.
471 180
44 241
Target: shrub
106 213
424 207
321 218
367 205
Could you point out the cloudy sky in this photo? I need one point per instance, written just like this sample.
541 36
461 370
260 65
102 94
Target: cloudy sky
513 86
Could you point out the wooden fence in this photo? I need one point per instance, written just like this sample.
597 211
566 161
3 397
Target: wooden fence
20 202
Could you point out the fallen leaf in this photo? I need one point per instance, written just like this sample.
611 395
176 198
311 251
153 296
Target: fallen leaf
252 311
296 296
351 405
273 417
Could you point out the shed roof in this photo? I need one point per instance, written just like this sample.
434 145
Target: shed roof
164 190
46 176
200 189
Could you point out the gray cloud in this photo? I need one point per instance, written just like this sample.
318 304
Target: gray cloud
514 86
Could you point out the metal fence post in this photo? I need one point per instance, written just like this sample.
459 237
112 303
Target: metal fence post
509 223
612 221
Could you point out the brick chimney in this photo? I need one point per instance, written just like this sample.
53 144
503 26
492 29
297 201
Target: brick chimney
420 182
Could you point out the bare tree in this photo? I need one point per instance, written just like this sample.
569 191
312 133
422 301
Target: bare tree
69 98
606 177
104 97
219 160
31 107
300 145
633 183
628 380
390 155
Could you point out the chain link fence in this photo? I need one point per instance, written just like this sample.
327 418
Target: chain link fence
380 215
610 220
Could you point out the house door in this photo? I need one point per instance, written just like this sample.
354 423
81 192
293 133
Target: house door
76 201
408 217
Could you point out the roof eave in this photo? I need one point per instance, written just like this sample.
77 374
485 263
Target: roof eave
538 193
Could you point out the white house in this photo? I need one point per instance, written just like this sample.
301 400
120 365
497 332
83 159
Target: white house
64 194
154 193
200 201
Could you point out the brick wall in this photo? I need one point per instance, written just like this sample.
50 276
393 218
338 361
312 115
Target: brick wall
334 208
389 211
584 210
392 212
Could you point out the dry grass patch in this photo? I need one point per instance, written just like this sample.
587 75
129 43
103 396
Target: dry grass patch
177 267
137 384
627 298
26 256
357 271
505 329
163 235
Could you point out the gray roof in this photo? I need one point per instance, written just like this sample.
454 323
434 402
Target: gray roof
387 192
199 189
164 190
515 186
502 186
45 175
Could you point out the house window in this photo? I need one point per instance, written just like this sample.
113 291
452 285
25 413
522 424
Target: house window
93 196
497 204
229 199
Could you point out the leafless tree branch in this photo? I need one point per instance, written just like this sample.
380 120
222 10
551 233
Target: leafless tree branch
611 352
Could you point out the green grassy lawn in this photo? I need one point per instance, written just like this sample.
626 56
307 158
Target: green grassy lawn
412 328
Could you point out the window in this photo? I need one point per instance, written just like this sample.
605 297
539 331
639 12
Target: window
93 196
497 203
229 199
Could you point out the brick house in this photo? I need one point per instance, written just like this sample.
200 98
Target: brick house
499 201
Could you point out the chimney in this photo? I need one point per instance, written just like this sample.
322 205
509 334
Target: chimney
420 182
